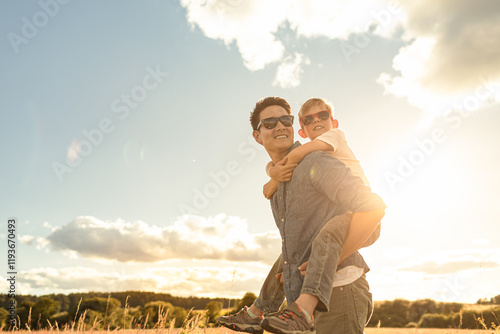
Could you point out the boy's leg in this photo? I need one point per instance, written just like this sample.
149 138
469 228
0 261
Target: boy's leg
373 237
351 307
325 254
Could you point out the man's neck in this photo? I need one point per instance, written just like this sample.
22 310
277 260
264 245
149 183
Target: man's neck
277 156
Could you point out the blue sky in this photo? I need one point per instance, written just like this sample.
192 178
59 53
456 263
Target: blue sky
128 160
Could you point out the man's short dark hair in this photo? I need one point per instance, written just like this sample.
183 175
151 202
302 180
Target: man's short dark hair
263 104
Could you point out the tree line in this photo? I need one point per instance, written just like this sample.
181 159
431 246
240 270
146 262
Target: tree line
137 309
427 313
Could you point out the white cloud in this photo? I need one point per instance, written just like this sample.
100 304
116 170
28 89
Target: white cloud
205 279
453 51
289 72
253 26
190 237
30 240
250 24
455 261
452 276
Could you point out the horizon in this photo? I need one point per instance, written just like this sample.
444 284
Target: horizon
129 162
231 299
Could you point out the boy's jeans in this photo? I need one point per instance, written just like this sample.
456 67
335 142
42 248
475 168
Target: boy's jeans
321 268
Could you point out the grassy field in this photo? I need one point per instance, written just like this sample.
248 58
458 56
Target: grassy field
228 331
425 331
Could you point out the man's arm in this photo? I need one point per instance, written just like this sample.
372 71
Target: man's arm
362 226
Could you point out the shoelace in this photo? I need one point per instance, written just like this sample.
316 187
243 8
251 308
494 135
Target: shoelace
287 314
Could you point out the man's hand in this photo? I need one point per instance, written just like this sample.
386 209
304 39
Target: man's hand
281 172
270 188
303 268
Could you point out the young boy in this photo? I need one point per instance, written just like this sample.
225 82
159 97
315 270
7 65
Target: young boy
317 124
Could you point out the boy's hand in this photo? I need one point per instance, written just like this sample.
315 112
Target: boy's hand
281 172
270 188
280 277
303 268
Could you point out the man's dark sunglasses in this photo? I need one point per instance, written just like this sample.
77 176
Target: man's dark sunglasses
272 122
323 115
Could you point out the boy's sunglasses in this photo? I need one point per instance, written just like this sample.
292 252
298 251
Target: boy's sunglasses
323 115
272 122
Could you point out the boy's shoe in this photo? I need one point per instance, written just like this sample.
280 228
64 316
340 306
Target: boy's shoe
242 322
289 321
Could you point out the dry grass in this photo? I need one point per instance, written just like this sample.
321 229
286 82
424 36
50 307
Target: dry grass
425 331
228 331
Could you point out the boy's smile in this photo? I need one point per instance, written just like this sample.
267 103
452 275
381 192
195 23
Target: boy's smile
318 126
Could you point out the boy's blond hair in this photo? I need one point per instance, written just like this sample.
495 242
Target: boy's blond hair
312 102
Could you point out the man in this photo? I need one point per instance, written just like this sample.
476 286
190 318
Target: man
321 188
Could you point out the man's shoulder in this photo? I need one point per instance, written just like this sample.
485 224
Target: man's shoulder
319 160
319 157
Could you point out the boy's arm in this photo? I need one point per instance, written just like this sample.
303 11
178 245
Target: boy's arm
282 171
269 165
297 154
270 188
278 173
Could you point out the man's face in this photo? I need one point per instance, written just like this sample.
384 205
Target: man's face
279 139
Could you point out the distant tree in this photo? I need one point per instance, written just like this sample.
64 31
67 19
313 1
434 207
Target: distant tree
106 306
4 317
180 315
247 300
213 311
391 313
23 311
496 300
449 308
35 315
158 313
435 320
420 307
476 319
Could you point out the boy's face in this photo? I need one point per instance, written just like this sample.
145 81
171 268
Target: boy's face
317 126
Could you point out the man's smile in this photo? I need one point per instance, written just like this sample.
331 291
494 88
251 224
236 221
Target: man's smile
281 136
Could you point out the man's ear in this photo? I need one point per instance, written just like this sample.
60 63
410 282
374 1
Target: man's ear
335 123
302 133
256 136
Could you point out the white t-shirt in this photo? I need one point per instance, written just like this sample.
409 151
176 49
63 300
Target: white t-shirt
343 152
